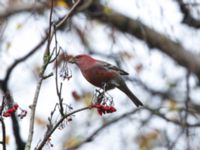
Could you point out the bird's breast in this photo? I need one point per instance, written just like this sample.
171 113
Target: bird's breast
98 76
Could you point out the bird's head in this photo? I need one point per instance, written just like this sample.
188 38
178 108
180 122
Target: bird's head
81 59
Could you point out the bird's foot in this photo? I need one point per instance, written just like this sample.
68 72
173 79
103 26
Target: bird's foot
101 97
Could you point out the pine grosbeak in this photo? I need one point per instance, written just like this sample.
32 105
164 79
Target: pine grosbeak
103 75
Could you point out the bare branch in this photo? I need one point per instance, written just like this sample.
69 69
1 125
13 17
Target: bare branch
22 7
188 18
72 10
153 39
33 109
47 60
3 124
20 60
187 100
3 133
40 146
176 122
58 90
104 126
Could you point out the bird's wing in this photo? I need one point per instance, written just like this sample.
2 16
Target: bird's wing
112 67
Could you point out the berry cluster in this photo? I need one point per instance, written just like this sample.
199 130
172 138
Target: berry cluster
103 109
11 110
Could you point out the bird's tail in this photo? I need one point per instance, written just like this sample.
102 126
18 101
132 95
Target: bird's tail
132 97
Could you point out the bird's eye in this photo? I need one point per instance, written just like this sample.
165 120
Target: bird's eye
78 57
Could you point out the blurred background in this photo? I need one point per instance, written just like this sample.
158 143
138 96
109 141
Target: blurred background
156 42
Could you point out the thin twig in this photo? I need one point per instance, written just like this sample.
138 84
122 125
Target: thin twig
46 62
21 7
174 142
2 105
3 133
3 124
58 90
50 28
32 118
176 122
22 59
43 142
37 92
72 10
187 100
104 126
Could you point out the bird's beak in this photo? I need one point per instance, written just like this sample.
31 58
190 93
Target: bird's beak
72 60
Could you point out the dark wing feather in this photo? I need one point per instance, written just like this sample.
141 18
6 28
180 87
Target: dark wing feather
112 67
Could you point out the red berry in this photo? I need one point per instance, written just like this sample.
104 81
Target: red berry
6 114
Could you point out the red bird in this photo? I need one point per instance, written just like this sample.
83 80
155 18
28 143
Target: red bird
103 75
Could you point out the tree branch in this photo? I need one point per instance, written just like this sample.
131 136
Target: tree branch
180 123
49 133
188 18
3 133
104 126
20 60
153 39
47 59
22 7
3 124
